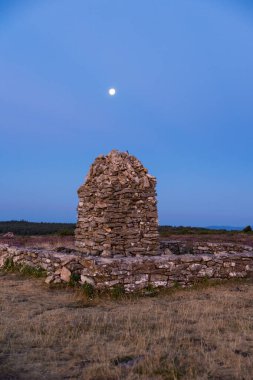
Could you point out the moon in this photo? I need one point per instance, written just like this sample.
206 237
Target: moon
111 91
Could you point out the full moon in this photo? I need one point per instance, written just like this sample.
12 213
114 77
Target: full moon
112 91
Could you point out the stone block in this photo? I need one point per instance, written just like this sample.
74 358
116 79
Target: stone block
159 280
65 274
87 279
50 279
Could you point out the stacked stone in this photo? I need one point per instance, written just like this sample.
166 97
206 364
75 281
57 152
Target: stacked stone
131 273
117 210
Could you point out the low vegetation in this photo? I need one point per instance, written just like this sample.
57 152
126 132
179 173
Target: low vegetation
203 333
26 228
247 229
181 230
26 270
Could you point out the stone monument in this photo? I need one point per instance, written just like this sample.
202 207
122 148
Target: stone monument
117 210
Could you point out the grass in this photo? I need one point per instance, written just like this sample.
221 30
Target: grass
202 333
73 332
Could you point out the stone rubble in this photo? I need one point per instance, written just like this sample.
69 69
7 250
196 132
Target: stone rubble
117 210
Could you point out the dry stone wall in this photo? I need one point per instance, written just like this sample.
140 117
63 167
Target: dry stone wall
117 211
133 273
175 247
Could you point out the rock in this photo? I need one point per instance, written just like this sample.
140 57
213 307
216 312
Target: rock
159 280
8 235
49 279
88 280
106 253
57 280
65 274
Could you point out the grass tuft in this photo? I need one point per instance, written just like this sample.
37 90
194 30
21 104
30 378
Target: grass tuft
24 269
88 290
117 292
74 280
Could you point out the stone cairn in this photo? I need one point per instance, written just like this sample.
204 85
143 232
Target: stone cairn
117 210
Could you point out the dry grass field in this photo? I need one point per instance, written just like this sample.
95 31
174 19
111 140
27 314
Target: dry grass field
40 241
56 241
50 333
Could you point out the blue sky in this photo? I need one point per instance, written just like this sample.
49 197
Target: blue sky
184 74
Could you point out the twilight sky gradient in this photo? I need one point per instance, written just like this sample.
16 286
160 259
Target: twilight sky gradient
184 74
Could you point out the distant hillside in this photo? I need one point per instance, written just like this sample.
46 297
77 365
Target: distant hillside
227 228
23 227
181 230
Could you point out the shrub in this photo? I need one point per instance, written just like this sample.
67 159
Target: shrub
8 265
66 232
176 285
247 229
74 279
150 291
117 291
88 290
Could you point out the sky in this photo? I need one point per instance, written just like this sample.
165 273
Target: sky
183 70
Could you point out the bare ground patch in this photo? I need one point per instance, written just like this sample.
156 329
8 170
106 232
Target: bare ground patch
56 334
